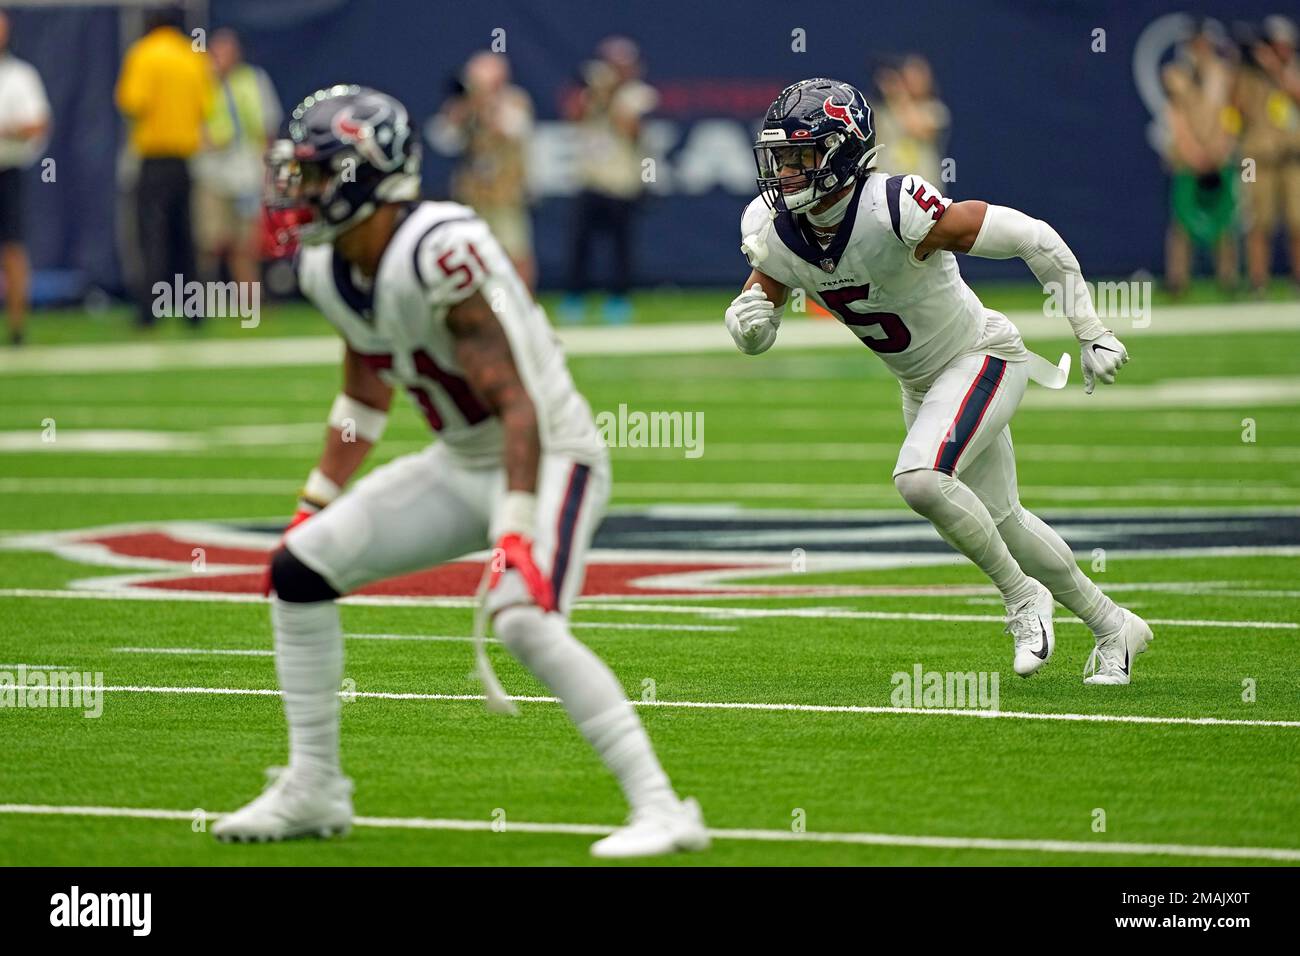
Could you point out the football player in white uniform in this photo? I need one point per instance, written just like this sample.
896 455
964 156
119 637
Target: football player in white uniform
877 251
426 300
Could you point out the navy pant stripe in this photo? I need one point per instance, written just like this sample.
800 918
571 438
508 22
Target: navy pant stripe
568 521
977 401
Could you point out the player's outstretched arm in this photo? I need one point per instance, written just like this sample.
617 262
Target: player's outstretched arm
484 354
356 420
999 232
754 316
483 351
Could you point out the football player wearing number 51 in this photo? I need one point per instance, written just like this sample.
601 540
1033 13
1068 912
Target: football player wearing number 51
877 250
427 300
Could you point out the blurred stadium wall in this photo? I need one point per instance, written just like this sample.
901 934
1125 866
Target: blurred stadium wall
1039 120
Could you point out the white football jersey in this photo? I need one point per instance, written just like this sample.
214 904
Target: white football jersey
916 315
441 254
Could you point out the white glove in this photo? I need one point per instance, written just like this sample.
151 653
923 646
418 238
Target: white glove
1101 358
752 320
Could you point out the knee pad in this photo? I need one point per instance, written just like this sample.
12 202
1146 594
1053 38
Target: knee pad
293 581
920 489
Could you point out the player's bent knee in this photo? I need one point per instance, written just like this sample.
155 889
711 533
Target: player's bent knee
522 629
293 581
1013 515
920 489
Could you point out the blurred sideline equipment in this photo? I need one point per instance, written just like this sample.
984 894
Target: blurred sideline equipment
426 298
877 250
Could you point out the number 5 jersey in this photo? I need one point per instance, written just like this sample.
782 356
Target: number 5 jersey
918 316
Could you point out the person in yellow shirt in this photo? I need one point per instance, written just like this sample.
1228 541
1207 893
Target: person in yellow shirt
164 92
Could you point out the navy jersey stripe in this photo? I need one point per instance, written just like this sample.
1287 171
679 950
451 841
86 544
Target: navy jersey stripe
359 300
977 401
893 189
567 523
787 227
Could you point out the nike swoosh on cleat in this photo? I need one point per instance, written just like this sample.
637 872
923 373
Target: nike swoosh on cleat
1126 659
1041 655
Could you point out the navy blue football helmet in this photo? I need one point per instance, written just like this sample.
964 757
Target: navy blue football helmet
347 149
817 138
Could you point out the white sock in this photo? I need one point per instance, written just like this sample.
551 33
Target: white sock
1042 553
592 696
958 514
309 662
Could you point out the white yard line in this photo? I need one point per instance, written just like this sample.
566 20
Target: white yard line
379 600
195 651
1107 847
1161 489
36 667
648 339
717 705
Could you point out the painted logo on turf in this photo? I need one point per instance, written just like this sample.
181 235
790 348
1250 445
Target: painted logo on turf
214 560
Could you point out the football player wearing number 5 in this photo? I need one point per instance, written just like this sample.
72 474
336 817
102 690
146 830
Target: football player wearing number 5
426 300
877 250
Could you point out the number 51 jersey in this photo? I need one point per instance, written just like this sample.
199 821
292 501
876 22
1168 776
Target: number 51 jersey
440 254
916 315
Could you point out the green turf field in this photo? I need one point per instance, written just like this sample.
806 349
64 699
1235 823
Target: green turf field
1178 488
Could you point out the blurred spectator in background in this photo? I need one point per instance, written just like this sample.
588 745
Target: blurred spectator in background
912 122
608 110
1268 94
164 91
1200 154
244 114
24 122
487 123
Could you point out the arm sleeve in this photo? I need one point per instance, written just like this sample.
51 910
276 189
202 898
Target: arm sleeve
1008 233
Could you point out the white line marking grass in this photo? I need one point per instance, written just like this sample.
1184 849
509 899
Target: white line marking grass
603 605
195 651
720 705
1283 854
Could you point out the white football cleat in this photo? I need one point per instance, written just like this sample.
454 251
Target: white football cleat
1030 625
656 831
1111 661
288 808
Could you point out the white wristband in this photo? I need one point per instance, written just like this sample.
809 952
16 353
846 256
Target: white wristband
319 490
363 421
515 514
